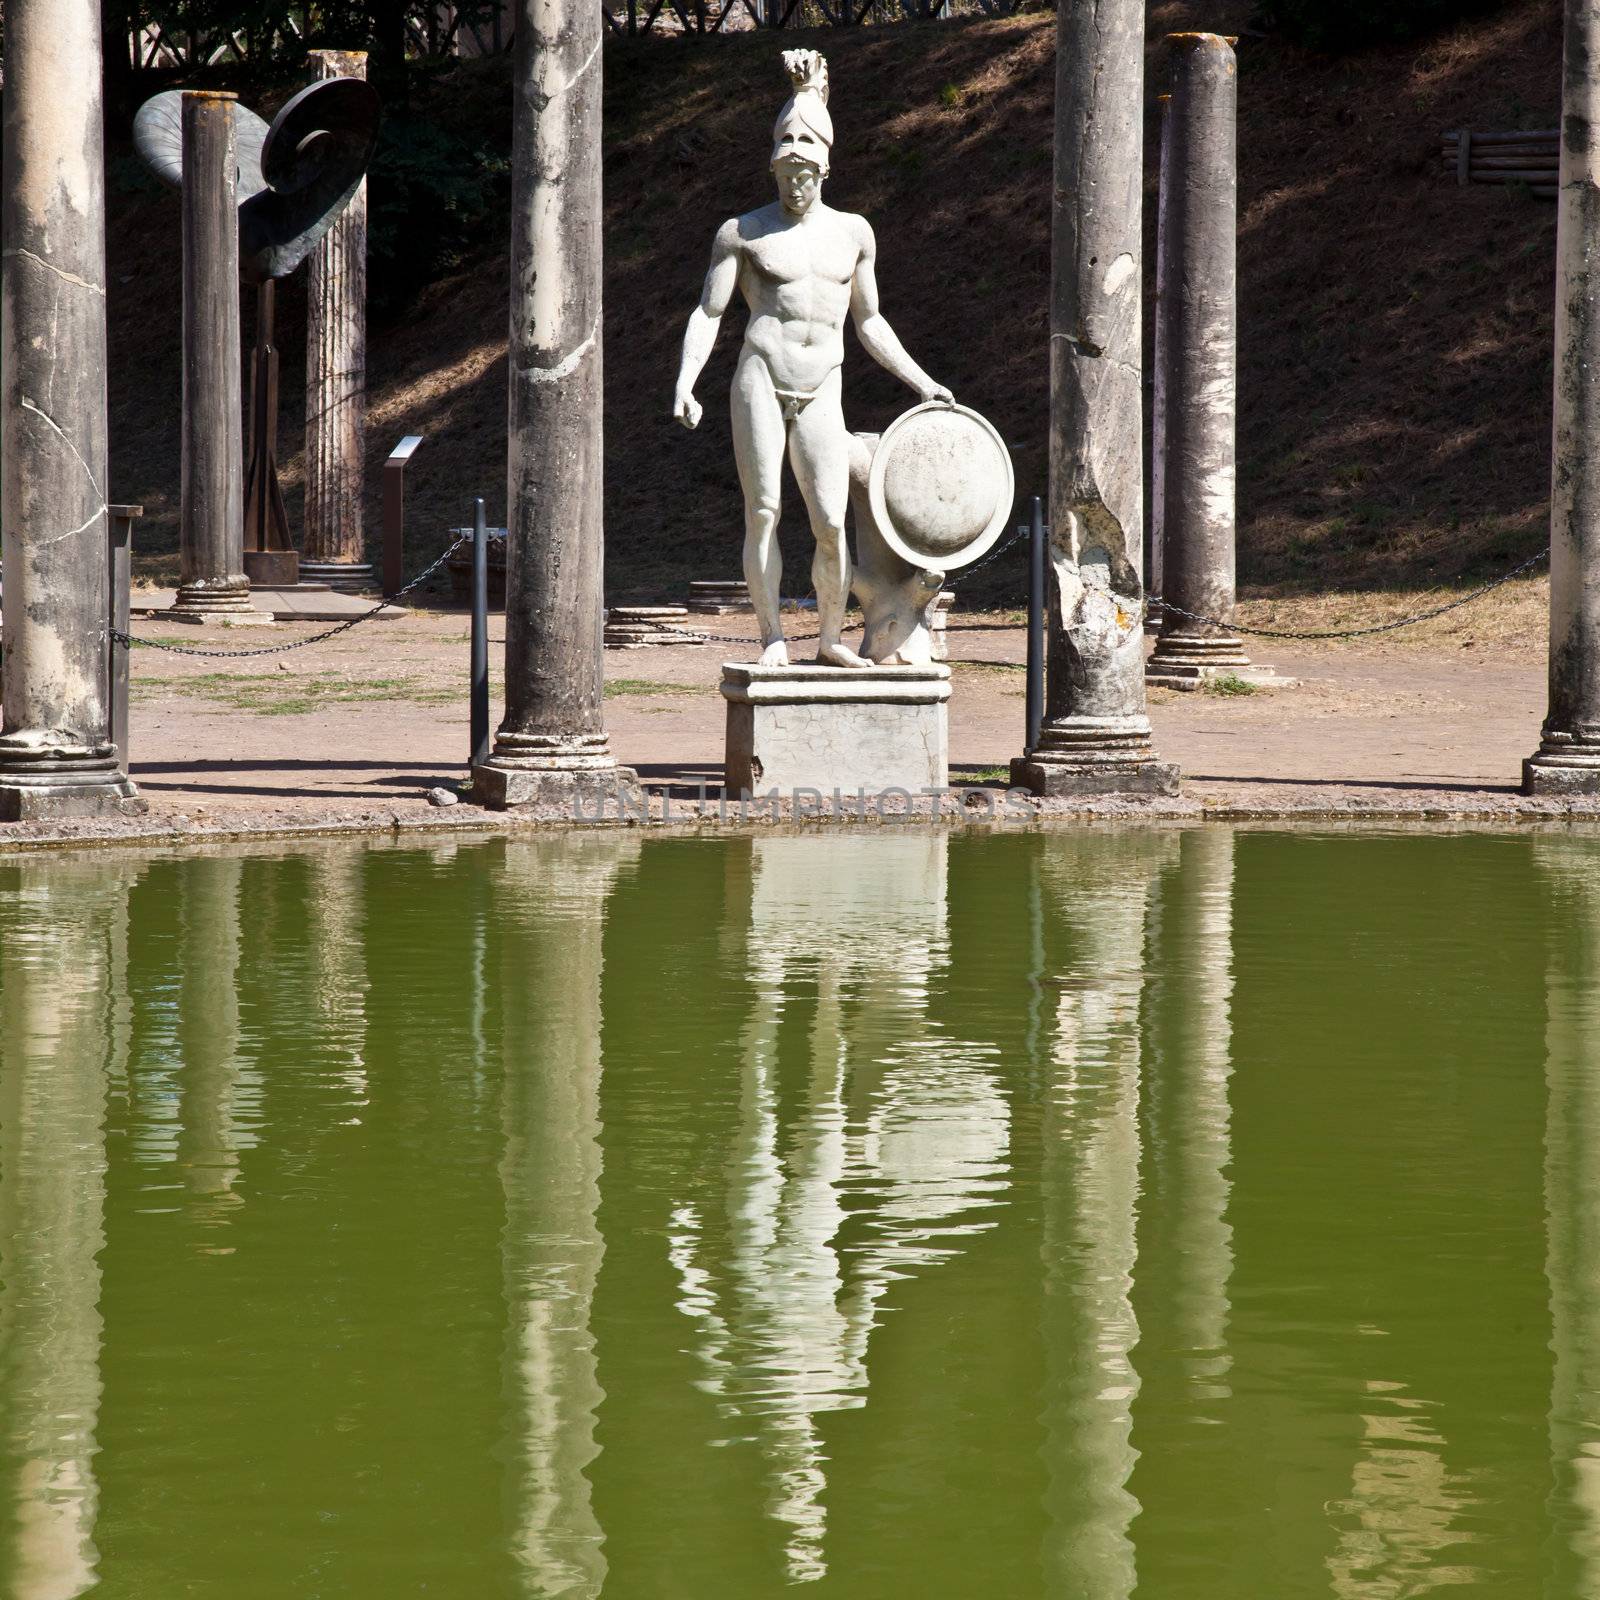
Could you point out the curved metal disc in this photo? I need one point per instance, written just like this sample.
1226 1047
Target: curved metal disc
314 158
941 486
158 137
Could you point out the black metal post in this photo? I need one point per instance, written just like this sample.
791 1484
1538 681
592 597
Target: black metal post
119 534
1037 539
480 638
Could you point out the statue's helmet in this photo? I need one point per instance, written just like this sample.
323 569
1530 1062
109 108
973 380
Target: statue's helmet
804 129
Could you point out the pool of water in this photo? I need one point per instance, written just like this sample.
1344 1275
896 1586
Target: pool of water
1192 1214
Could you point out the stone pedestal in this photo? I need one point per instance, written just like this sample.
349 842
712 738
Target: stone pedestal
638 627
827 728
716 598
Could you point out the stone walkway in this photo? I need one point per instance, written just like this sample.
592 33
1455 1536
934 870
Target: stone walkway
354 731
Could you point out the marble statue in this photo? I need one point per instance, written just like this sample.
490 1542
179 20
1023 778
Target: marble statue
802 267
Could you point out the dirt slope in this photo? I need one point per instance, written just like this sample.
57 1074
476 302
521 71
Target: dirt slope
1395 330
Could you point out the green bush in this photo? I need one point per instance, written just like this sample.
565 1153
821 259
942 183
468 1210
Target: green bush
1340 25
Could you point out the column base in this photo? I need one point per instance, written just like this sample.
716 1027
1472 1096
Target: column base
1563 768
348 577
208 605
1086 756
1186 679
575 776
34 793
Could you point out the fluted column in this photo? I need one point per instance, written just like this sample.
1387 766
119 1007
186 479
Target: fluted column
336 380
552 746
56 754
1096 735
1568 758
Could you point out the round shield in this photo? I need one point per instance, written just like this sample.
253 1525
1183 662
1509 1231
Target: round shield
941 485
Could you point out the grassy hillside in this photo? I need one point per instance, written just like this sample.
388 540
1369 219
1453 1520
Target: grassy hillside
1395 330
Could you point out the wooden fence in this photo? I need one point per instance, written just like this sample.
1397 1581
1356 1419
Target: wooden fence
1533 159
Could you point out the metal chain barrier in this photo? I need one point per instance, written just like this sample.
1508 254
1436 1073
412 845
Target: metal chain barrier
1356 633
694 636
300 644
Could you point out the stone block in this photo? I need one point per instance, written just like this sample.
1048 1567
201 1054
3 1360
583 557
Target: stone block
1065 780
826 728
599 793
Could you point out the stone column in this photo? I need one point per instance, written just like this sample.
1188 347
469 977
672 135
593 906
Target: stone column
1153 536
1568 758
1096 736
552 746
56 754
212 587
336 380
1195 334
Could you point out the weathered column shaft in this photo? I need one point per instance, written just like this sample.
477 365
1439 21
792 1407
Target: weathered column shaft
1154 537
1196 333
553 741
1568 758
55 754
211 509
1096 736
336 378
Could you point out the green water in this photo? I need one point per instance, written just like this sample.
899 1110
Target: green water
1197 1215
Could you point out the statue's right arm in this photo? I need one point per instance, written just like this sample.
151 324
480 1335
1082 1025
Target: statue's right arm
721 280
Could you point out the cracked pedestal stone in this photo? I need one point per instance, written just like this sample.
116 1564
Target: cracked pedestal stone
57 758
1568 759
827 728
1096 736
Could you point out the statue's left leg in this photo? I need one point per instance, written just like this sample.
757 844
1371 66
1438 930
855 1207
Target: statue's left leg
819 451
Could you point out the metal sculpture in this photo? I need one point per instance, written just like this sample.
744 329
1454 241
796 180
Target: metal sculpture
295 177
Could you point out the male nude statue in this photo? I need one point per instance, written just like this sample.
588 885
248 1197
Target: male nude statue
801 267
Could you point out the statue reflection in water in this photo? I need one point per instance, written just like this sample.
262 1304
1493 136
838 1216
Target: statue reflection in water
911 1125
64 1033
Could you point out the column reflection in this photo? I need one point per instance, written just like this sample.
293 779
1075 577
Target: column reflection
548 984
1570 870
63 1034
1097 894
1185 1236
213 1080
